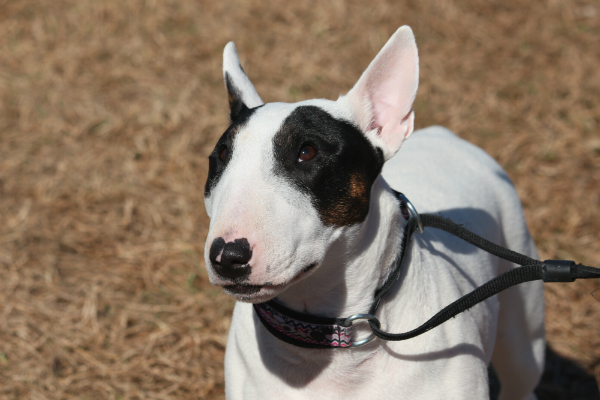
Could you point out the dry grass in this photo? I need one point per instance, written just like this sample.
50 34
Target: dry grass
109 108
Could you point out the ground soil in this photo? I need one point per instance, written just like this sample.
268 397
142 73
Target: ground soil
108 110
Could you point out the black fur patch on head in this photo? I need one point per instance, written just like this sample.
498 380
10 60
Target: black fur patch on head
216 166
339 178
236 105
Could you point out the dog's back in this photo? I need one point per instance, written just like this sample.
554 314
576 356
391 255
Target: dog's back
441 173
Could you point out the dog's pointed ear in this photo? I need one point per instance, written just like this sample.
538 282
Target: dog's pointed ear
240 91
381 101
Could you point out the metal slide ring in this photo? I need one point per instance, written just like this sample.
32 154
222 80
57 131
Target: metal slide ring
413 213
368 317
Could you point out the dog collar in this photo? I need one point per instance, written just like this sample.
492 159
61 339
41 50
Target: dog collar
303 330
311 331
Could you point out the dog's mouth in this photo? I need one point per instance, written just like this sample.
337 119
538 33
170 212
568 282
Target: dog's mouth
261 293
242 289
253 293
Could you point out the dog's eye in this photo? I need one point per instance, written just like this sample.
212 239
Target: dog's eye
223 154
307 152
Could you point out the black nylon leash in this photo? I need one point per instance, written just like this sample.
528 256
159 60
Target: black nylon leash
529 270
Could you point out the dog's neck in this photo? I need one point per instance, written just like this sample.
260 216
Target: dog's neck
357 263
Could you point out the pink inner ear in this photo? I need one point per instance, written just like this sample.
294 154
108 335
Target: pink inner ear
395 132
382 98
391 89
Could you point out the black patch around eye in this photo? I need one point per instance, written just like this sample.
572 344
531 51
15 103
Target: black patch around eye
216 166
339 180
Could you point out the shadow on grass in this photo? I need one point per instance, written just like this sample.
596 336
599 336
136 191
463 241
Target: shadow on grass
562 380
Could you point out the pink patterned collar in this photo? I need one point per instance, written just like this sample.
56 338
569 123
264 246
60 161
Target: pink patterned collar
303 330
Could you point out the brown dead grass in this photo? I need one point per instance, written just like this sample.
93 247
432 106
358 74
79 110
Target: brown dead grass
109 108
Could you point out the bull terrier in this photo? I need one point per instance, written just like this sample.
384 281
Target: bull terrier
304 222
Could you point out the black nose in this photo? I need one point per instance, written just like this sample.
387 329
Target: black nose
234 258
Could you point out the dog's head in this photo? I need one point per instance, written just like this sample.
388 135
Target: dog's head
287 180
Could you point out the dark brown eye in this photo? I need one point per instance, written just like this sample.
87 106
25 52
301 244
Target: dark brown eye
223 154
307 152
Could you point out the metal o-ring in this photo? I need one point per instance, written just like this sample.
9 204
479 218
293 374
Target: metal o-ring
368 317
413 213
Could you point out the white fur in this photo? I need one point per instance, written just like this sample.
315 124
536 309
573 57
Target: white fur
439 173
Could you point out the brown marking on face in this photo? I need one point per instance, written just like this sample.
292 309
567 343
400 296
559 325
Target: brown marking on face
352 208
358 187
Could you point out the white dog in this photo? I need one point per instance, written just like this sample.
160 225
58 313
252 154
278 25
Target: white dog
302 212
